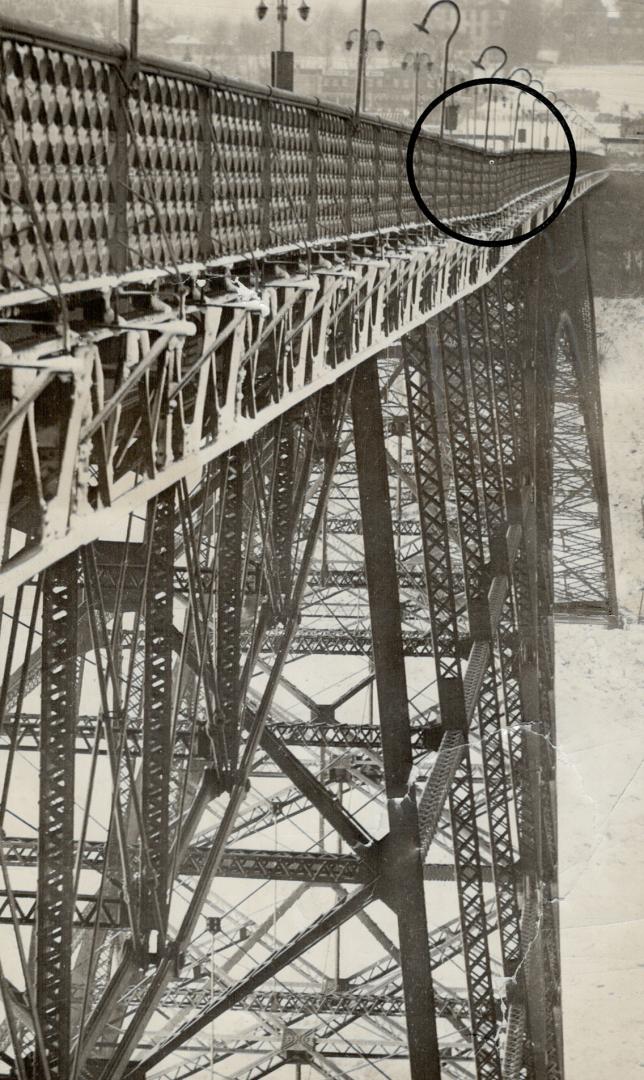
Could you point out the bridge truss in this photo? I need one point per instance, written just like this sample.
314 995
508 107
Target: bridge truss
284 539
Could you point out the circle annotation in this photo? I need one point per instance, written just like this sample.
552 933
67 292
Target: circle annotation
416 131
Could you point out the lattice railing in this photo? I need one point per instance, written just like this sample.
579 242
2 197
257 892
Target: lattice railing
127 166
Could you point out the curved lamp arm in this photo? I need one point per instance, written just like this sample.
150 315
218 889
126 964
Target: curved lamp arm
479 63
517 70
422 26
374 37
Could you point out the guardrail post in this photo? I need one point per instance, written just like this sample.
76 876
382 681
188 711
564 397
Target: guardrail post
348 197
205 198
314 153
376 176
402 174
118 169
267 156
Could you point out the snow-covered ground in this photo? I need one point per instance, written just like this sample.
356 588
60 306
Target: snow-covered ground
600 693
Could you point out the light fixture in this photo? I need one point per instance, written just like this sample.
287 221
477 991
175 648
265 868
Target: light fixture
261 10
304 11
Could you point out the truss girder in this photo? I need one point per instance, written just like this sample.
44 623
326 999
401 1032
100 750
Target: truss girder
178 381
224 729
55 907
157 714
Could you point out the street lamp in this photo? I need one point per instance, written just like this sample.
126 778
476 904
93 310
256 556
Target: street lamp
282 61
554 98
516 117
479 64
416 60
534 105
576 123
422 26
365 40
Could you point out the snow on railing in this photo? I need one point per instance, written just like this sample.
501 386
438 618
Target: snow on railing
112 166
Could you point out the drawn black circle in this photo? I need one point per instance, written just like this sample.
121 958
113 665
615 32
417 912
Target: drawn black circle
411 146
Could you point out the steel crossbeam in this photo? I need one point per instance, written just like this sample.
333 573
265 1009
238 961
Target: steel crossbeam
338 735
322 868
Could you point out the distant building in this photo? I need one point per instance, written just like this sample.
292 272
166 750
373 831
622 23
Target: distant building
389 87
482 22
581 98
187 47
631 127
628 30
584 31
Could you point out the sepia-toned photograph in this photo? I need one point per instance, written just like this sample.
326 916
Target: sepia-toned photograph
321 539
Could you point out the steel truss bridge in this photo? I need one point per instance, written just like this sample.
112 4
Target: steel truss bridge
291 490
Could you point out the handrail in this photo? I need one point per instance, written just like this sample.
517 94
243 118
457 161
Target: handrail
161 163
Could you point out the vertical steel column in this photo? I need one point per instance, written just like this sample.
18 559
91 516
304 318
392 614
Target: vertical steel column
584 564
544 476
597 429
230 595
477 578
532 376
430 472
157 714
494 518
494 414
283 510
404 869
55 907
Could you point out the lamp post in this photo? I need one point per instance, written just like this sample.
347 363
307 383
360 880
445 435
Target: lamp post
554 99
534 105
576 124
479 64
365 39
416 60
422 26
281 60
516 115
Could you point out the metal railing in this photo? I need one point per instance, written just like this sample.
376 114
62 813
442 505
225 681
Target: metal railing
109 166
